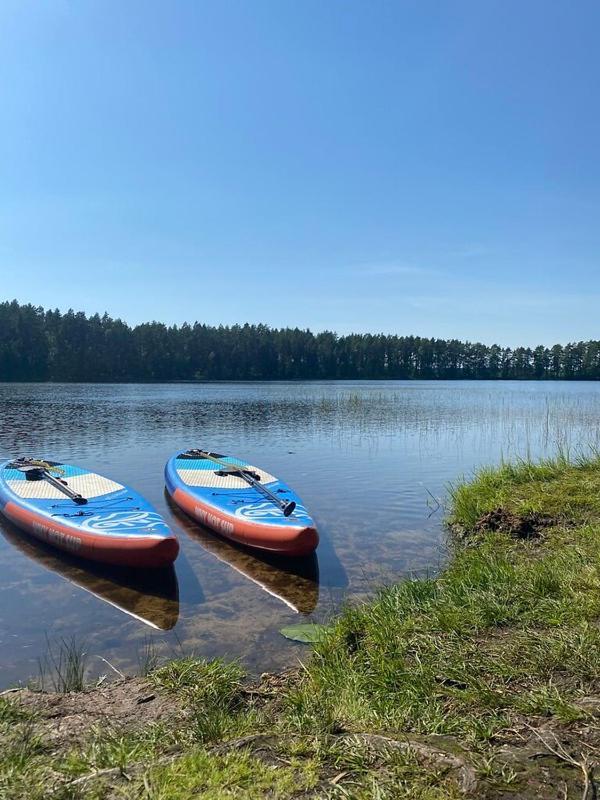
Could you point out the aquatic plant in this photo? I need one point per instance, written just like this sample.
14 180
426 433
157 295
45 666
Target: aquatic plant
63 666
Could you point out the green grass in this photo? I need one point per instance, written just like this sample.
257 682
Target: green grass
559 487
506 637
21 754
213 691
200 774
107 747
460 654
10 712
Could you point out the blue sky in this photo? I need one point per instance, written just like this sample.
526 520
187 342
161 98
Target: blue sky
420 167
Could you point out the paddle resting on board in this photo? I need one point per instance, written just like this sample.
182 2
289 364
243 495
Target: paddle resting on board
241 502
84 513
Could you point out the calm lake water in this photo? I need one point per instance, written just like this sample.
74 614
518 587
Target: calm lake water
372 462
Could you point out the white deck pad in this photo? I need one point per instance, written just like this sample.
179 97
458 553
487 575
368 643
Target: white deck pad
88 485
210 480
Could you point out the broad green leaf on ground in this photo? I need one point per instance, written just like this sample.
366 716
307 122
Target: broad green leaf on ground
308 632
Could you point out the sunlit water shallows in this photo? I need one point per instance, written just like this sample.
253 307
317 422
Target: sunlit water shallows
370 460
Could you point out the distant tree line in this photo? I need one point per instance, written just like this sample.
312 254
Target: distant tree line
40 345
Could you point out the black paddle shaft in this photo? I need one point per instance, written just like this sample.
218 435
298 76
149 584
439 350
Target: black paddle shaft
248 476
35 473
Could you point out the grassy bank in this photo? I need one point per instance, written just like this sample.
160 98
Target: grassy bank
483 682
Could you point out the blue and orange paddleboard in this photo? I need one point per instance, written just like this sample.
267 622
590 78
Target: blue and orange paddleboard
84 513
264 513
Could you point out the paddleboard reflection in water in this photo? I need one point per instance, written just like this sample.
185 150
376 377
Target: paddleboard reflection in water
294 581
150 596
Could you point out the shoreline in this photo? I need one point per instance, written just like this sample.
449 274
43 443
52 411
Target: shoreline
482 682
231 381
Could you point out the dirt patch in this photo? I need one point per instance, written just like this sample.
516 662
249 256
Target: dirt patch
66 719
519 526
548 760
130 704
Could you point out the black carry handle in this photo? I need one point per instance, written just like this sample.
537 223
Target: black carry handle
250 477
36 473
